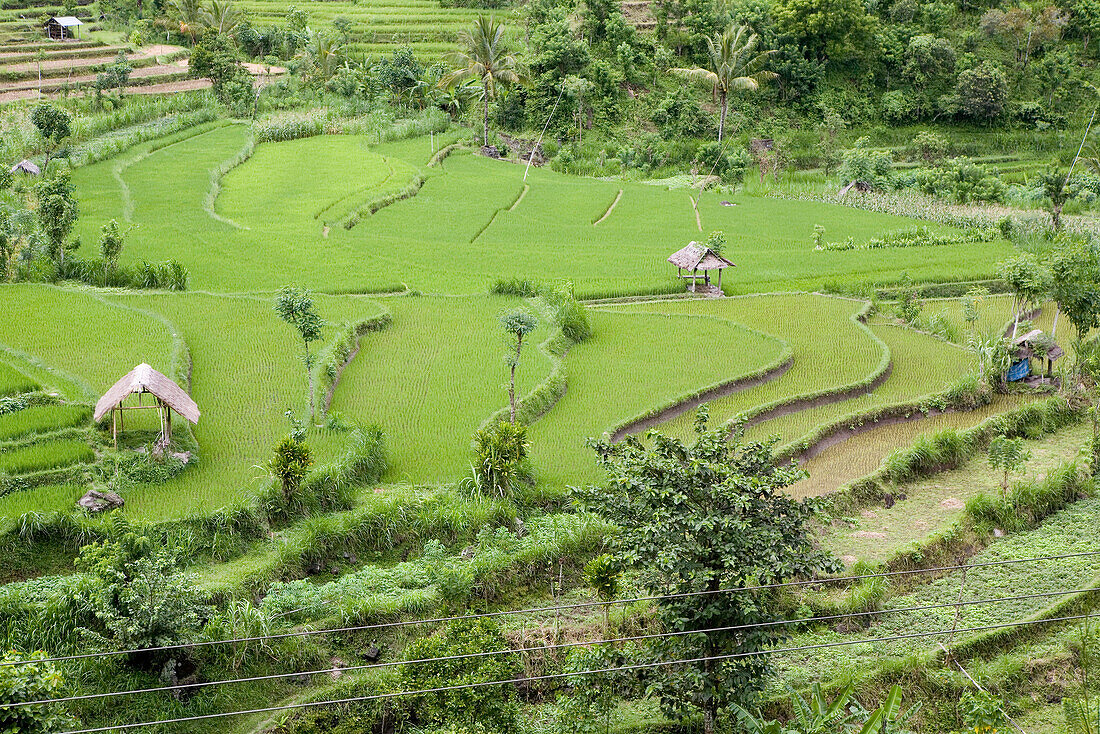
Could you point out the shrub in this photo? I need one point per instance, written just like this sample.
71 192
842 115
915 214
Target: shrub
500 455
290 463
872 167
492 708
520 287
962 180
23 679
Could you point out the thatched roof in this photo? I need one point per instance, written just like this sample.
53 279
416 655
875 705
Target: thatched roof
698 257
144 378
25 166
1025 344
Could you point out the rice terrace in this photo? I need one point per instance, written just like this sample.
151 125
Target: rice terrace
549 367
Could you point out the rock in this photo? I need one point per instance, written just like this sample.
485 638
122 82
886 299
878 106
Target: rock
351 558
998 533
336 671
372 653
184 457
468 552
869 514
952 503
728 203
315 568
334 570
888 500
96 501
490 151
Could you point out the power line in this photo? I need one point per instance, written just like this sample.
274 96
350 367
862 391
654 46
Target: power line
544 648
537 610
558 676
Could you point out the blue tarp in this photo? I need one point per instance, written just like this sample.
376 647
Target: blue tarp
1019 370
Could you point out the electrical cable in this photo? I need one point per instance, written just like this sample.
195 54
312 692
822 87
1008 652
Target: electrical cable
537 610
558 676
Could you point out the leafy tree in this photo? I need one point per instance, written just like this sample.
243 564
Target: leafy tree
981 92
215 58
828 143
111 241
221 17
187 16
486 57
57 214
1075 285
519 324
963 180
138 598
733 65
603 574
716 241
1057 190
1088 360
930 147
1008 455
830 30
24 679
54 124
491 708
399 72
699 518
1029 280
1086 20
295 306
120 72
864 164
588 701
500 454
929 59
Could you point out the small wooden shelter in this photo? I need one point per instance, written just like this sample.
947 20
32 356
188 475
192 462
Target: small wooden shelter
25 166
61 27
167 397
1029 346
699 258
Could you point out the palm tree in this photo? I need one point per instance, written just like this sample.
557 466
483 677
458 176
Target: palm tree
735 66
488 59
222 17
188 16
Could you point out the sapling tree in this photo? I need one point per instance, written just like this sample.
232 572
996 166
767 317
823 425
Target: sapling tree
699 518
57 214
716 242
518 324
1029 280
111 241
603 574
295 306
54 124
1007 455
1057 190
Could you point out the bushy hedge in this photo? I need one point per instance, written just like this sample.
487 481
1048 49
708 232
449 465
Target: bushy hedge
168 275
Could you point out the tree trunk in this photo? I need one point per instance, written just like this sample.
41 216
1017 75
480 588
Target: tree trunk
722 118
309 384
709 716
1056 217
485 132
512 384
1054 329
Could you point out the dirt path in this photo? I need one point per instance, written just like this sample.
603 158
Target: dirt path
79 63
56 83
610 209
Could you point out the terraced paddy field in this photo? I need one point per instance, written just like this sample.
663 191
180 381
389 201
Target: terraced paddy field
449 237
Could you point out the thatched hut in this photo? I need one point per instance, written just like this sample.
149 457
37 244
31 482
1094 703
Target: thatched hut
1033 345
167 397
61 27
26 167
697 259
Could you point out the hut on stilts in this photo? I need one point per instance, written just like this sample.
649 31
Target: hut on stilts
698 259
167 397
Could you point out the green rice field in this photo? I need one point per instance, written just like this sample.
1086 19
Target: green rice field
45 455
41 419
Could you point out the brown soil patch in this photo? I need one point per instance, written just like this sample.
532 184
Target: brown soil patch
866 535
951 503
82 62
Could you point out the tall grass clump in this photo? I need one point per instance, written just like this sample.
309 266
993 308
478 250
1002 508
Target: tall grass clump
1029 503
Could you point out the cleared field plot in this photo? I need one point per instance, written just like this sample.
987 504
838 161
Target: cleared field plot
831 349
451 237
432 378
45 455
935 503
78 343
12 381
633 363
42 419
